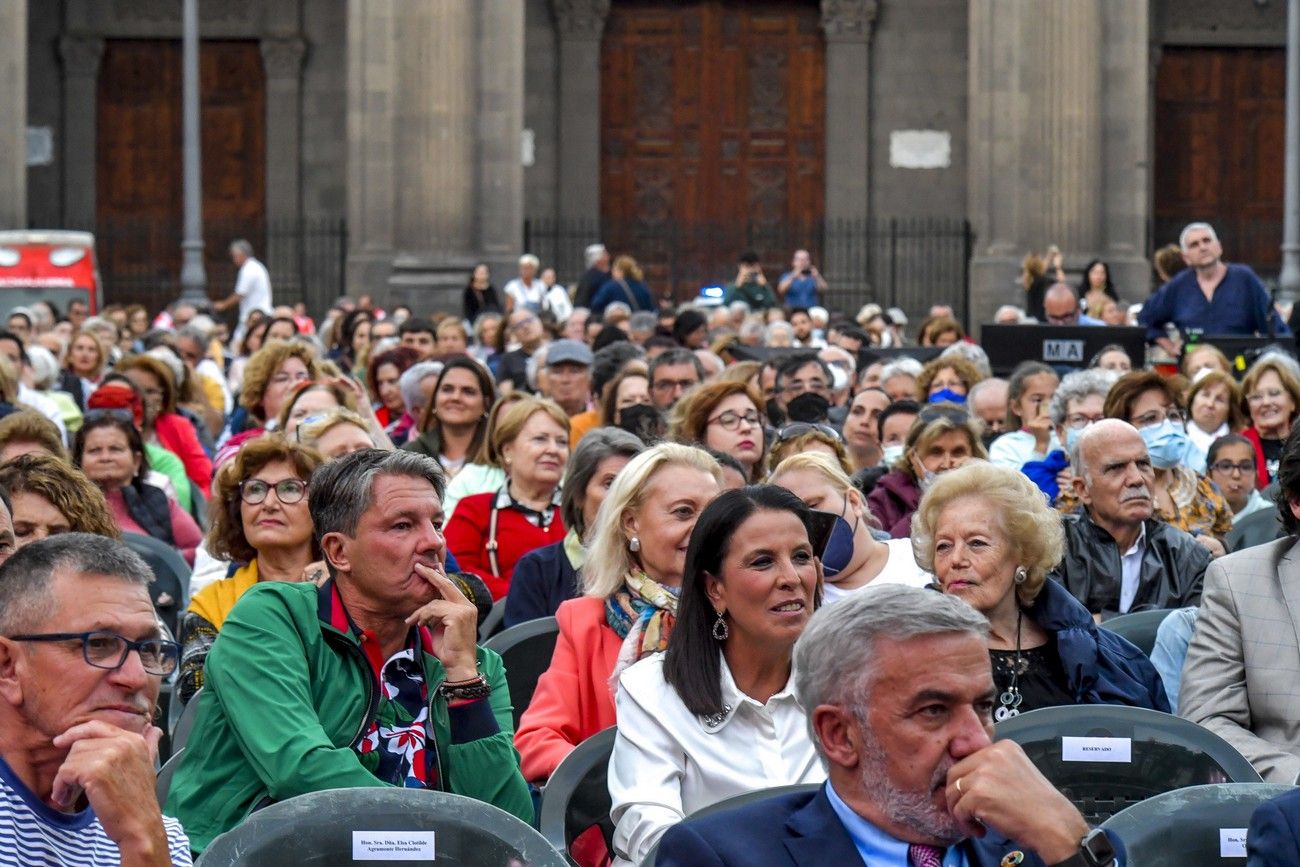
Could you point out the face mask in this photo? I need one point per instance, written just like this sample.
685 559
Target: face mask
1072 437
946 395
808 407
1166 443
891 454
926 479
839 547
642 420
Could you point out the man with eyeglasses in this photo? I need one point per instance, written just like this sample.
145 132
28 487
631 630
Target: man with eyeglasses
1061 307
800 375
373 678
1118 556
82 659
524 330
672 374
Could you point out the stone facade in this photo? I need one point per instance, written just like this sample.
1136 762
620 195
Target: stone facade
412 118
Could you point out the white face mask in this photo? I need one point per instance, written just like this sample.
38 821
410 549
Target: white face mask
892 454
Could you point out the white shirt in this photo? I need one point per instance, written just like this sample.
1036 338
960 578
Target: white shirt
526 295
667 763
557 299
46 406
900 568
472 479
1017 448
1130 564
253 286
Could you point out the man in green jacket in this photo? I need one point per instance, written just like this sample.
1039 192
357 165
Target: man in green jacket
372 679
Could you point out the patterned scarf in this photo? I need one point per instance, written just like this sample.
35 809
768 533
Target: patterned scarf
642 614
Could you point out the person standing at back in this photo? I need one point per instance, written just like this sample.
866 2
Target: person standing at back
252 285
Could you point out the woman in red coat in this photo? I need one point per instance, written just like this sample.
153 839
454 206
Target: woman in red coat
631 578
489 532
162 424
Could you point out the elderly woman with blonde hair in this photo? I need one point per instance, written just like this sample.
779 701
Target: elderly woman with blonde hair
990 538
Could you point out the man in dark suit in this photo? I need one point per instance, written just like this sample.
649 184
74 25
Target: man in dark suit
899 693
1273 839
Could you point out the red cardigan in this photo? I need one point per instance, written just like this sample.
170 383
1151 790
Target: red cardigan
573 700
177 435
467 538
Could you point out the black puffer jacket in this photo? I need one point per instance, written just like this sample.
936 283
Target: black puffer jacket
1173 566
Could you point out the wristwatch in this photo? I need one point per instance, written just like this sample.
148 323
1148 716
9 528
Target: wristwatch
1095 850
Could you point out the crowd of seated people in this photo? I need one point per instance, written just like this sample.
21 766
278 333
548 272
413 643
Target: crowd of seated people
777 548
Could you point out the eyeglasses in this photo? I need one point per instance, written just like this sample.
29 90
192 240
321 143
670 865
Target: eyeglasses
108 650
117 414
287 378
799 387
523 323
1228 467
799 428
730 420
934 412
1079 421
1172 415
666 385
287 491
1261 396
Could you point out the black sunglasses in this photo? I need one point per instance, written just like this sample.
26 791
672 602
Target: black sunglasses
799 428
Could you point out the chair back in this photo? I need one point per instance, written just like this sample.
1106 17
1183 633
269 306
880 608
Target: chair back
185 722
492 623
165 774
171 577
526 650
1201 825
1106 757
1139 627
345 826
576 796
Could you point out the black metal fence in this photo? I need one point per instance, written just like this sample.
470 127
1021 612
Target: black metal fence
140 260
909 263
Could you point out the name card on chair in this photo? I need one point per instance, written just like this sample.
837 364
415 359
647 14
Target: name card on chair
1119 750
392 845
1232 842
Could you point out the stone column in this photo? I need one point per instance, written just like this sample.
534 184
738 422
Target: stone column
282 59
500 127
13 108
1035 161
580 24
81 56
1126 144
847 24
372 82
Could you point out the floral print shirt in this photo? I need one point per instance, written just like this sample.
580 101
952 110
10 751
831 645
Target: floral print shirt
400 740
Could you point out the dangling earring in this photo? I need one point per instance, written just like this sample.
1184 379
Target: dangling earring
1021 575
634 545
720 631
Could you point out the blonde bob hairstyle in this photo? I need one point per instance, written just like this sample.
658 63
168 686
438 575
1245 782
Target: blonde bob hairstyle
783 450
925 430
1031 528
608 558
512 420
309 434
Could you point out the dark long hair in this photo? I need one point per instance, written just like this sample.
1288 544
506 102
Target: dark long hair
1109 288
693 664
429 422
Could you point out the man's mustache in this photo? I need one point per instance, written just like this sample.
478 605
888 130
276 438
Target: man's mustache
1137 492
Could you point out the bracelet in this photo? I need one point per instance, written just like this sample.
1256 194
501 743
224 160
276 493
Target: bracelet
470 690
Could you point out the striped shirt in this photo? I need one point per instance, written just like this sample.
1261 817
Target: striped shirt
36 835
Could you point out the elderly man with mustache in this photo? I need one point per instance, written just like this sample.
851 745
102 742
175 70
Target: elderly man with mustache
1118 557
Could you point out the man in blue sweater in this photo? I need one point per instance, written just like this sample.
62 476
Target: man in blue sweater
1210 296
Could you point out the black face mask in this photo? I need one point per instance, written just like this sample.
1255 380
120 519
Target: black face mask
775 417
808 407
988 437
643 421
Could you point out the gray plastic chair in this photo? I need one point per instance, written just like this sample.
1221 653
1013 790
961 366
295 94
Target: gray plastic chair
164 781
1183 827
526 650
1139 627
321 828
185 722
576 797
492 623
1167 752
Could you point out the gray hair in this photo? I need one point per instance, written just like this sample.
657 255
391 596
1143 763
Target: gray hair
529 259
535 362
616 307
904 366
196 332
592 254
1281 358
1195 227
713 363
409 382
752 327
343 490
984 385
44 367
1019 313
26 577
593 448
1079 385
240 245
642 320
971 352
779 325
833 658
738 306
